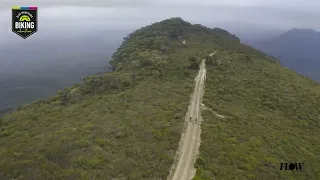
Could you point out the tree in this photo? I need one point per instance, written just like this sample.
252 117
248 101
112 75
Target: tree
194 64
164 49
192 59
209 60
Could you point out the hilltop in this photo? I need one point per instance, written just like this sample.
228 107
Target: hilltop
127 124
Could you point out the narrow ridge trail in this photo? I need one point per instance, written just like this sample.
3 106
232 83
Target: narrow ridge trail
183 168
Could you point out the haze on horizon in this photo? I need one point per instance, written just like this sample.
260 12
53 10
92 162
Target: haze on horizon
68 15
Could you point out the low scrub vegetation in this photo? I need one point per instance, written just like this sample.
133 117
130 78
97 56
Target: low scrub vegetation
272 117
126 124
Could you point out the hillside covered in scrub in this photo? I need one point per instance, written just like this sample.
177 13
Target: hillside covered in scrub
126 124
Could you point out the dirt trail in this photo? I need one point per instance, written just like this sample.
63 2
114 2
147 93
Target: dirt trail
183 168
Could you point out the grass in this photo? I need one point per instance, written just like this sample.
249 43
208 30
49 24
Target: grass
272 118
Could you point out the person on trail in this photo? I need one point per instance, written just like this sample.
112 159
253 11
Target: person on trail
190 118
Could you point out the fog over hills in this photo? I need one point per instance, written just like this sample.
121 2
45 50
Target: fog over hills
36 69
249 32
297 49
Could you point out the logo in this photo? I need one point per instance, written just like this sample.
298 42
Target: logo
24 21
291 166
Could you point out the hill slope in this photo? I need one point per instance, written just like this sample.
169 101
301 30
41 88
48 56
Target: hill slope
297 49
271 117
127 124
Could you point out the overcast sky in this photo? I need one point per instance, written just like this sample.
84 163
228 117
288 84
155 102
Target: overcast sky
70 16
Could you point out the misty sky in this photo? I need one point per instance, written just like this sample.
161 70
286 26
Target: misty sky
65 17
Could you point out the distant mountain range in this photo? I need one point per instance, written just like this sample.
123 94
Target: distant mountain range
298 49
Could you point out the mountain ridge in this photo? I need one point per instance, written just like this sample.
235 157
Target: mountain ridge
126 124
